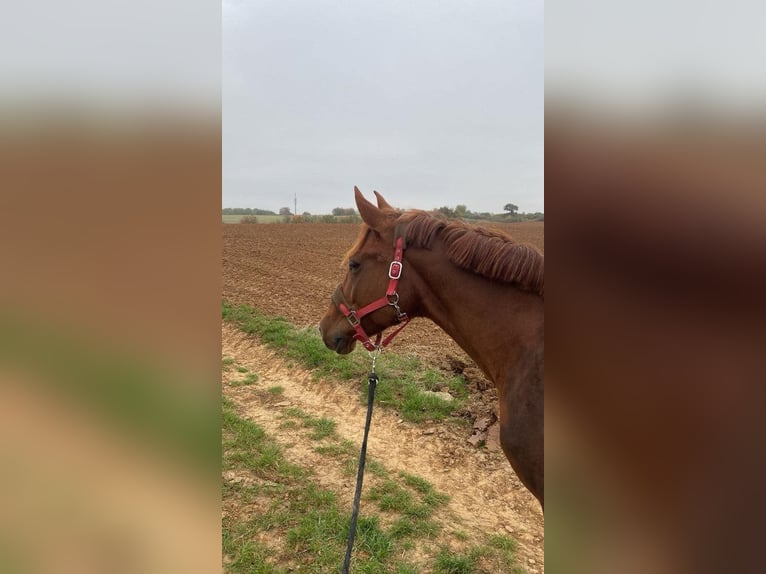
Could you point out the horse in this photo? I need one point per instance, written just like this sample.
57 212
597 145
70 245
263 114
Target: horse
485 290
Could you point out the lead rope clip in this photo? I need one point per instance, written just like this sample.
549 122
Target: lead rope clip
374 356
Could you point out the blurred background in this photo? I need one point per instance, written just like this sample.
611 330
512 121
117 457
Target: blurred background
654 166
109 287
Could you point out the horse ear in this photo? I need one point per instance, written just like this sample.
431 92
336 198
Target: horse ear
371 215
382 203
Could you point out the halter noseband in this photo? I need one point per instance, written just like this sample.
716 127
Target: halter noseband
391 298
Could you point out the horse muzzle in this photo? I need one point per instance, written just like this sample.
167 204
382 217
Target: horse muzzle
335 333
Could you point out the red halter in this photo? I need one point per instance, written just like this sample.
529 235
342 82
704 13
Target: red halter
390 298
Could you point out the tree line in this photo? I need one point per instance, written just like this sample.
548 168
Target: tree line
349 214
462 212
246 211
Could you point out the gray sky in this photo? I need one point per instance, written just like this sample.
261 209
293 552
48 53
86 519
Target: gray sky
649 55
431 103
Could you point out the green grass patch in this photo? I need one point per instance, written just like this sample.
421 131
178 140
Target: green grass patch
245 554
323 427
376 469
403 378
430 496
505 546
247 446
248 380
241 369
410 527
392 497
295 413
276 390
294 521
343 449
498 555
308 522
460 535
449 562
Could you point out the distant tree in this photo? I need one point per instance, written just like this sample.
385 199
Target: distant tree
245 211
511 208
447 211
344 211
306 214
285 211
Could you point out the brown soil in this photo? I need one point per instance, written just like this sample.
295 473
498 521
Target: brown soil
291 270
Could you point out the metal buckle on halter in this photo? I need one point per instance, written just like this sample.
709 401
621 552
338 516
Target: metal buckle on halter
395 270
352 318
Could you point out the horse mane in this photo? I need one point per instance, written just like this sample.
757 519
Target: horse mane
490 253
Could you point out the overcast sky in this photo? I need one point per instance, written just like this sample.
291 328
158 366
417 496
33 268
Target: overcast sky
431 103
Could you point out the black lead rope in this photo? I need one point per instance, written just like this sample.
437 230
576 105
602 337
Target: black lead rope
372 381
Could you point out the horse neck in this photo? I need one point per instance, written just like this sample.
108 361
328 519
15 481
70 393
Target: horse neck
493 322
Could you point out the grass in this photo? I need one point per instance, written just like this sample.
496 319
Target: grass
506 546
307 523
403 378
250 449
276 517
322 427
495 556
282 521
449 562
248 380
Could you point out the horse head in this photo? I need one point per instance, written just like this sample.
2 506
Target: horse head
367 301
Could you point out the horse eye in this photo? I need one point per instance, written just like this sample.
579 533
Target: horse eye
353 265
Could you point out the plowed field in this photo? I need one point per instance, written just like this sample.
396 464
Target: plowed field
291 270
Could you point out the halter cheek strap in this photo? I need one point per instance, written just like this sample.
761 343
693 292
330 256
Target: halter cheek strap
391 298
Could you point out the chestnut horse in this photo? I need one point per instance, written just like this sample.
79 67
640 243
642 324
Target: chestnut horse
481 287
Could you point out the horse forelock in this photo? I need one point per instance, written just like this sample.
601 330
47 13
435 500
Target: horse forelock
489 253
360 239
364 231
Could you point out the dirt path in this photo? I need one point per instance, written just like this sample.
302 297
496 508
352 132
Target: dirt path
485 493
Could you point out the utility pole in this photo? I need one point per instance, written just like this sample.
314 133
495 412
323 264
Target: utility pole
295 204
